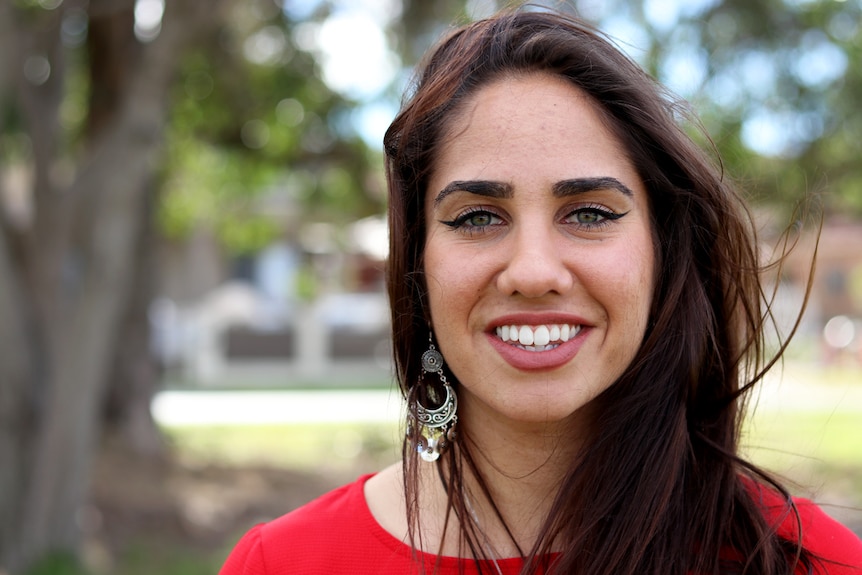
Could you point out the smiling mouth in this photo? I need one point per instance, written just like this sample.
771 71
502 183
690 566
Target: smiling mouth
537 338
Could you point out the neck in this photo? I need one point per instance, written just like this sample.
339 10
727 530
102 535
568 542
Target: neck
522 465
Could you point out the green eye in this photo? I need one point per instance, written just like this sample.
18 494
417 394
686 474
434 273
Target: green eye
476 220
588 217
480 219
592 217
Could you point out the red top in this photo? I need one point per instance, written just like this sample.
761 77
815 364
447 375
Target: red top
336 533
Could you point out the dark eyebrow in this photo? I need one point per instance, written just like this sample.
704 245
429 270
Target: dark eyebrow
582 185
478 187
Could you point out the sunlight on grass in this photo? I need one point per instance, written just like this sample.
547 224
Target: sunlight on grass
818 455
305 447
813 439
801 446
808 432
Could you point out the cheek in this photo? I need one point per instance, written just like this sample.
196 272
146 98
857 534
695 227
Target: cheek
442 281
627 284
456 280
639 285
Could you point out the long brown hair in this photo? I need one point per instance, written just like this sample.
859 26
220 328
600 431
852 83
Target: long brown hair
660 487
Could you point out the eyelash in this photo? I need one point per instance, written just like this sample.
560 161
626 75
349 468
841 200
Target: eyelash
606 216
461 222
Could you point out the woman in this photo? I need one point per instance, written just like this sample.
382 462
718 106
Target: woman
576 320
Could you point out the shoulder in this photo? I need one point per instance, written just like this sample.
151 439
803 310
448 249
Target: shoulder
334 533
837 549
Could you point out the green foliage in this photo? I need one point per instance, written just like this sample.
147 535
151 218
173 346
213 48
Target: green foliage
765 58
146 558
75 105
142 558
765 55
58 564
253 126
209 185
306 284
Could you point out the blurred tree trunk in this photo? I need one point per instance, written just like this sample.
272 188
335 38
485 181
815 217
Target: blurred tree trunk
66 277
15 367
16 408
422 23
135 374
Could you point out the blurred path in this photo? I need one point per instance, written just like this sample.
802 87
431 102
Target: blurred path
267 407
797 389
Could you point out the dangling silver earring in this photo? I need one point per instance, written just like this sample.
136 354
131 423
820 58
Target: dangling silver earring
436 426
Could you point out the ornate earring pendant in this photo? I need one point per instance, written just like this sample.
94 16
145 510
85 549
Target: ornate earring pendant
436 426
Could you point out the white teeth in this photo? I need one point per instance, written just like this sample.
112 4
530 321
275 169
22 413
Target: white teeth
542 336
539 338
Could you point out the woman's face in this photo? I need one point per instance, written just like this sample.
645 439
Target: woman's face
538 256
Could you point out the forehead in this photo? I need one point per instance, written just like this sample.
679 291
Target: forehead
537 124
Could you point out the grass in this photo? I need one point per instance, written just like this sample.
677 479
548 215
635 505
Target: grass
777 441
819 451
816 452
807 447
141 559
305 447
805 439
809 427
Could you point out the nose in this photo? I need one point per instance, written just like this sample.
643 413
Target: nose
535 265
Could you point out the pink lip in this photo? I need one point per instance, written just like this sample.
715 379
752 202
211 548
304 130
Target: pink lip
538 360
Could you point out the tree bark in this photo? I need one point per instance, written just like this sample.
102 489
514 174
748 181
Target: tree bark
63 297
16 409
135 374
